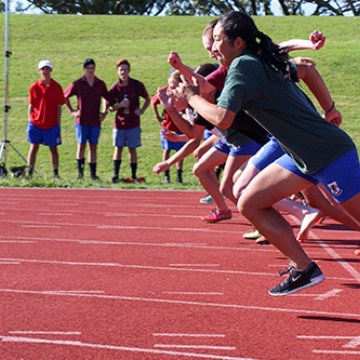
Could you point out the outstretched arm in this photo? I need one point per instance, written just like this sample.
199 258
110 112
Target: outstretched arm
316 42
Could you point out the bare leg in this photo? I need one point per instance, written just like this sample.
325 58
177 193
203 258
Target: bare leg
268 187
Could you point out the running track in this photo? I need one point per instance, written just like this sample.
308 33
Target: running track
134 275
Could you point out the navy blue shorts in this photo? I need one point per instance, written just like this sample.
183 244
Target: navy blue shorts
86 133
50 137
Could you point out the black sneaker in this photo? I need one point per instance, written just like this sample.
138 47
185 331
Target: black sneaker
298 280
115 180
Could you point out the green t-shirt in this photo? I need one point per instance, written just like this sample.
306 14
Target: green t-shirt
284 111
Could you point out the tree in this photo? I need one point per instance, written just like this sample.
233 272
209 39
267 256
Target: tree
192 7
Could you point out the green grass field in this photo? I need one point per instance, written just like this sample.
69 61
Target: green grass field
146 42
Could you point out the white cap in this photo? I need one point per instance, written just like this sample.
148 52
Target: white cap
44 63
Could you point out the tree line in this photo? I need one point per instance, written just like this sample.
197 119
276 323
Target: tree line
187 7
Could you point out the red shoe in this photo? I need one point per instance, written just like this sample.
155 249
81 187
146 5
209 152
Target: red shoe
357 252
141 179
216 216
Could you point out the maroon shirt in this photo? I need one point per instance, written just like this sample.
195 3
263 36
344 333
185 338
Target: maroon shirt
89 100
117 93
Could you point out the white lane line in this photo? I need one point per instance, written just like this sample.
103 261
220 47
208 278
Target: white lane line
179 244
190 303
46 332
188 335
339 259
74 292
73 263
191 293
120 348
331 293
17 242
41 226
64 204
208 347
190 265
337 352
325 337
56 214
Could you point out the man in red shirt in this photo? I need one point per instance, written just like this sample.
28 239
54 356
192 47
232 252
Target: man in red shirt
44 113
124 99
89 91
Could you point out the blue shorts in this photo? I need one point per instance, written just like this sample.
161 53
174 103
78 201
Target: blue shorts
222 146
170 145
50 137
207 134
86 133
130 138
245 150
267 154
341 177
288 163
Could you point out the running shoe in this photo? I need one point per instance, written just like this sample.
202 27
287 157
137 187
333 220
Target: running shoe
216 216
166 180
262 241
252 235
298 280
357 252
207 200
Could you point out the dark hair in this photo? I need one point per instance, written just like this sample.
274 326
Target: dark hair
237 24
88 62
206 69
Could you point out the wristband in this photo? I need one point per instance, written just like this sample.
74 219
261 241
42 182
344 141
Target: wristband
332 107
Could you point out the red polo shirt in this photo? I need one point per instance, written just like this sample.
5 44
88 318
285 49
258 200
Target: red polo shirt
89 99
116 94
45 99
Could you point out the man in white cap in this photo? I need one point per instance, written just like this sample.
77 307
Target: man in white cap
45 101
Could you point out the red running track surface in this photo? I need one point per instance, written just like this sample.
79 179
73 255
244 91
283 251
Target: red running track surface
127 274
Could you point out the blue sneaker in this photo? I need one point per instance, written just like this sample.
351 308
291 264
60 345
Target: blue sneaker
207 200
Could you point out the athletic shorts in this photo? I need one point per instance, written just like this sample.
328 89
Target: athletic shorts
341 177
245 150
267 154
170 145
130 138
222 146
86 133
207 134
50 137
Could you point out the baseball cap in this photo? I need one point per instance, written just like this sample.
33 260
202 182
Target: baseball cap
44 63
89 62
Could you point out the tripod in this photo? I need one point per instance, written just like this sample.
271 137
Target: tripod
6 142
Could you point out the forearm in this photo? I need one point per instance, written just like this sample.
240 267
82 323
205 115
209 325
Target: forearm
297 44
317 86
219 117
30 110
58 114
185 151
183 125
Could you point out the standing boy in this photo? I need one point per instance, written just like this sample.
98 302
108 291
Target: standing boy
44 114
124 99
89 91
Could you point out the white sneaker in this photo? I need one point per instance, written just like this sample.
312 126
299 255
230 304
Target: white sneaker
207 200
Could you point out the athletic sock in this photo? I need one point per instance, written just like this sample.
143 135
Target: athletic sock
80 166
133 170
117 164
92 170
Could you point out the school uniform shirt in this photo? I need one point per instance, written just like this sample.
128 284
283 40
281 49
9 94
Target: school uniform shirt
45 99
89 100
284 111
133 91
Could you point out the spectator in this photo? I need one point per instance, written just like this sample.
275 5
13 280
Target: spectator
168 125
89 90
124 99
44 114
